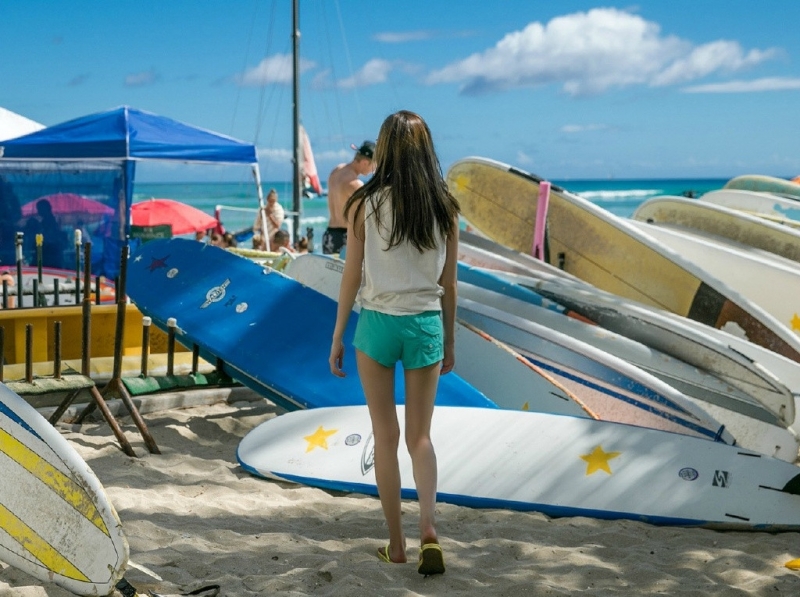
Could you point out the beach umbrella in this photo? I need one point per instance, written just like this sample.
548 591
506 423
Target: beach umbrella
182 217
70 205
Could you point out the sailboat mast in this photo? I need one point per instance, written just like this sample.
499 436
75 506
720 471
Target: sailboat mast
297 186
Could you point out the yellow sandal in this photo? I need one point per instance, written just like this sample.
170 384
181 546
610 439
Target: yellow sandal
431 559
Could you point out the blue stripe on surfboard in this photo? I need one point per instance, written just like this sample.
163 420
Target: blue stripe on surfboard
6 410
566 355
489 281
715 435
478 502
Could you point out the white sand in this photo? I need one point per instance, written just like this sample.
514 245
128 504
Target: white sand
193 517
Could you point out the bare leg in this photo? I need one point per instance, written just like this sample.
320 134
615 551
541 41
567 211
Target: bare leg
421 387
378 384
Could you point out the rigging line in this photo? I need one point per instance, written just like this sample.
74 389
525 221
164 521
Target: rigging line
280 89
336 98
260 111
244 66
349 61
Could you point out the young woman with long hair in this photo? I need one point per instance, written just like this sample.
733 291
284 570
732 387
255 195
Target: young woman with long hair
403 235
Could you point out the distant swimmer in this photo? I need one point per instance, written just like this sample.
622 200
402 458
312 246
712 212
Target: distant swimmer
342 183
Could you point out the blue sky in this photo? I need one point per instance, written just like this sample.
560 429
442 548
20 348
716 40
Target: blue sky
567 89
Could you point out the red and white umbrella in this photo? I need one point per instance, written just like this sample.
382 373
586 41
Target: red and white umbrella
182 217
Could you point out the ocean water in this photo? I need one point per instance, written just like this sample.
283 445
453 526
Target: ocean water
239 201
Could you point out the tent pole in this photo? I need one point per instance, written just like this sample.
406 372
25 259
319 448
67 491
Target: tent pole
262 212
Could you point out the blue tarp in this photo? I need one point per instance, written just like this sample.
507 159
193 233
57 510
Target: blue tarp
125 133
73 156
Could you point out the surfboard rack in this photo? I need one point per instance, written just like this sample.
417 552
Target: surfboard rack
114 386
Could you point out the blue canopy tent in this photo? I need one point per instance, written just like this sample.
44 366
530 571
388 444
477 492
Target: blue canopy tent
94 157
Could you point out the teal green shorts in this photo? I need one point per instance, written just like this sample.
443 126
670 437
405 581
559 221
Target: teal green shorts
416 340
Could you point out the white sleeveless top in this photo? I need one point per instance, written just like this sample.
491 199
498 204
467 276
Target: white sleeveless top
400 281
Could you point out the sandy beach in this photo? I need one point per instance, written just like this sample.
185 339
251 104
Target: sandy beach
193 517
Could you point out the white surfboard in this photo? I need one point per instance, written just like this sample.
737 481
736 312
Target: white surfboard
766 280
767 184
765 205
734 225
56 521
603 386
733 359
751 424
558 465
479 251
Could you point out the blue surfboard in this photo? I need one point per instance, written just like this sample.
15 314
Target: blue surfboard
272 333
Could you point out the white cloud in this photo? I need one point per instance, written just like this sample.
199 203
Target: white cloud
398 37
765 84
523 159
590 52
390 37
373 72
273 69
716 56
278 156
140 79
582 128
331 155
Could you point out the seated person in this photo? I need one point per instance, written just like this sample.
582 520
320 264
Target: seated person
281 243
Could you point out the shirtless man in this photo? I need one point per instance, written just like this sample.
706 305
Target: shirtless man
343 182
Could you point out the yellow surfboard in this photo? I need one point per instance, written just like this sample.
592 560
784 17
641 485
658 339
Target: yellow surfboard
56 521
722 222
606 251
765 184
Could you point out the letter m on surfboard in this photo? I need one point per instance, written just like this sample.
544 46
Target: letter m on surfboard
721 479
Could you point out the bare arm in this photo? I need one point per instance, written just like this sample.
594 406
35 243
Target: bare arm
351 282
449 281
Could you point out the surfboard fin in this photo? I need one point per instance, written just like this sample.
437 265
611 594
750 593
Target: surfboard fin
793 486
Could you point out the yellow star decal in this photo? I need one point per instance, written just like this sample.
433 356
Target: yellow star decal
597 460
796 323
319 439
459 182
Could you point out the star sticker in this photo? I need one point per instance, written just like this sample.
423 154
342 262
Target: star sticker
319 439
137 259
460 182
158 263
796 323
597 460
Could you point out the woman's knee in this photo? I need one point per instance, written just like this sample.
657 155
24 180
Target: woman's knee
417 442
387 436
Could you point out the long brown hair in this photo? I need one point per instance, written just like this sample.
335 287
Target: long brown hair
407 167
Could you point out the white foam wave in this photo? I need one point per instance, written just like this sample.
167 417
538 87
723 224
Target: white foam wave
621 194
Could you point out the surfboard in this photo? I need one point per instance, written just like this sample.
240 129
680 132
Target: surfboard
764 205
751 424
765 184
722 222
606 251
557 465
604 387
56 521
764 279
734 360
272 333
480 251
